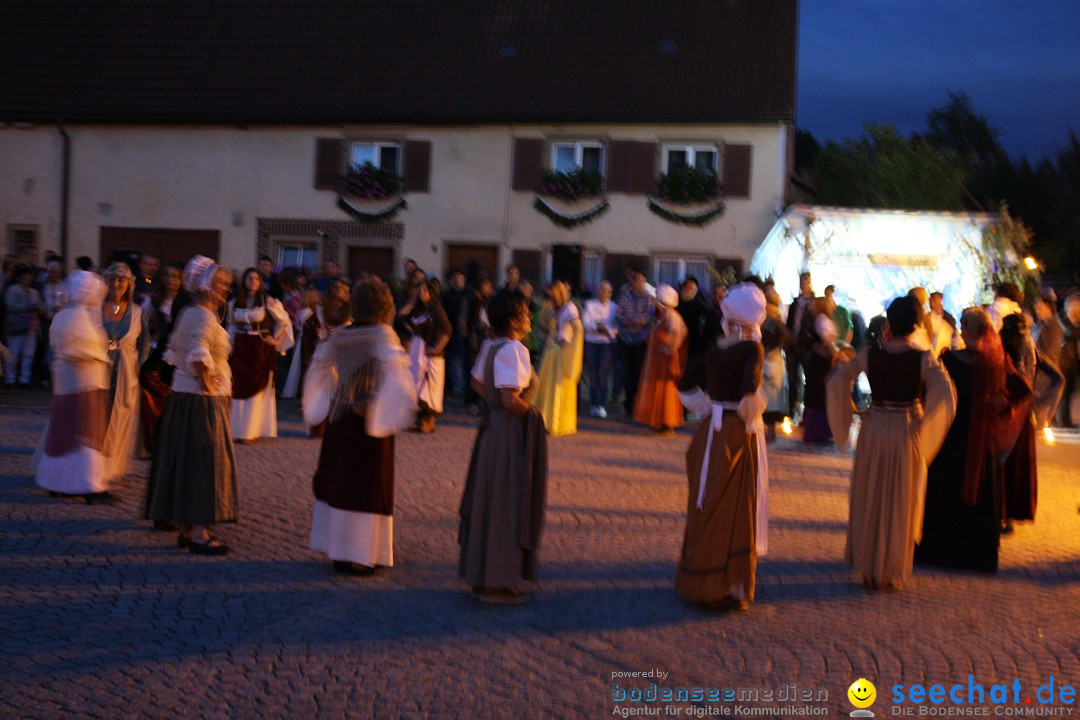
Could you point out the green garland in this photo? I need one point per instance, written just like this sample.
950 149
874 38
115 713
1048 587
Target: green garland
569 220
373 216
700 218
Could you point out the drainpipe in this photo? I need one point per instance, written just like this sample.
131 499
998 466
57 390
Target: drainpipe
65 190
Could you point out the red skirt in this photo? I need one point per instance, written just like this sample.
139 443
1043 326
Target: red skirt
252 361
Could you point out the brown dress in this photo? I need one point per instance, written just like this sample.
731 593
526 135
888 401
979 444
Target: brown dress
503 503
719 559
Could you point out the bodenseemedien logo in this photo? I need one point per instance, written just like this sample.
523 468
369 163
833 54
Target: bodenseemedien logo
862 694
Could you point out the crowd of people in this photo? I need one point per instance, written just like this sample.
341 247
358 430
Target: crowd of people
180 362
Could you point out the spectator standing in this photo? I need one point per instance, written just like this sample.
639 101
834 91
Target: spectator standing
331 274
147 277
1069 320
694 310
632 318
601 330
452 300
23 306
798 311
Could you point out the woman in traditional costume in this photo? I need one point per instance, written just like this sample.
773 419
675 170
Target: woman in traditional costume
359 383
1021 486
560 368
260 330
71 461
962 525
819 354
424 322
657 402
128 345
502 509
726 463
155 375
776 339
900 435
193 473
309 305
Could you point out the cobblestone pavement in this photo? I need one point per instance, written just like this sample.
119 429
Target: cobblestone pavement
102 617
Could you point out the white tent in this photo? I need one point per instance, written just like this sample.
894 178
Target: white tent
873 256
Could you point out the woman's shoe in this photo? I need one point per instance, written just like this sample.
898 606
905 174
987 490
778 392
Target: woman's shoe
500 596
344 567
210 547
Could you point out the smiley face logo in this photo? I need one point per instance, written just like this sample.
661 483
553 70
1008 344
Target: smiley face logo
862 693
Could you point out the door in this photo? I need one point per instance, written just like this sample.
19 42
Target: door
171 245
475 261
377 261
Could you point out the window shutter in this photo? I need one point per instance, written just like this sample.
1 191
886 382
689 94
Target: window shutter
631 167
328 163
417 166
528 163
643 171
620 158
737 171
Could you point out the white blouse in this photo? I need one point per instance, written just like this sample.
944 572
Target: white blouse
199 337
512 367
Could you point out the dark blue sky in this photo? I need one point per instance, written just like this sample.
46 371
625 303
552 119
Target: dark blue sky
891 61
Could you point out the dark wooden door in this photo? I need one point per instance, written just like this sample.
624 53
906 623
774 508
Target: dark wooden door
374 260
475 261
171 245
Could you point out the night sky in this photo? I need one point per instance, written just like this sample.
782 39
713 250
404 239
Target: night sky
891 61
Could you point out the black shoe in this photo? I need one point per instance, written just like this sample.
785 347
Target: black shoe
344 567
100 498
210 547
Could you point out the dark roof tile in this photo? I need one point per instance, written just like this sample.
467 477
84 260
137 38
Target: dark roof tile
410 61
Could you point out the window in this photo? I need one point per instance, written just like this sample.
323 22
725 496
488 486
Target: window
22 240
594 270
569 156
304 255
673 270
702 157
384 155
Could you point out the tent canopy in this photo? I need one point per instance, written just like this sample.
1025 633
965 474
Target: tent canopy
873 256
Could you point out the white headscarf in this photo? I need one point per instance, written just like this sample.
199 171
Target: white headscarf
667 296
86 288
199 274
745 305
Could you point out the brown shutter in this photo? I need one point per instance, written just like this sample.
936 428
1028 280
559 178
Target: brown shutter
417 166
528 163
643 171
631 167
619 162
328 163
737 171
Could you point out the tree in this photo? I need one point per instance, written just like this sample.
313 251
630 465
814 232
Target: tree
883 170
956 127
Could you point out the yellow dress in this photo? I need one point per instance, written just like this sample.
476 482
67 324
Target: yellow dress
560 372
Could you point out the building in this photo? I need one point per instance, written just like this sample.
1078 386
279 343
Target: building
225 127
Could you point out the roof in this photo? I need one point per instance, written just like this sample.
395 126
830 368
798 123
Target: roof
397 61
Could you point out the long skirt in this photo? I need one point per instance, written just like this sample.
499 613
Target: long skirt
354 495
557 397
70 460
657 403
888 482
491 552
193 473
154 391
1021 482
956 535
255 417
718 557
